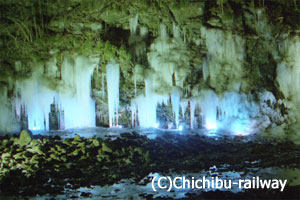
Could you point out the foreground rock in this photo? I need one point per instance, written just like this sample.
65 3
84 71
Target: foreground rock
49 165
24 138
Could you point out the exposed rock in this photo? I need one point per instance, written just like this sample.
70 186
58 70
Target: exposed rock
77 138
106 148
124 157
95 142
24 138
214 22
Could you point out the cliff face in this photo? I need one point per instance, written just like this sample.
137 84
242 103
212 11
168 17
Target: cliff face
226 63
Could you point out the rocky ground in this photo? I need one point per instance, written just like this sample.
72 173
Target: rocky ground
45 165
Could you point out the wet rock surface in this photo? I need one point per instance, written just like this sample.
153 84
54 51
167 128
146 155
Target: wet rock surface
52 165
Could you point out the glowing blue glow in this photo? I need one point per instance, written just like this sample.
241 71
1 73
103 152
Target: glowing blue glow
180 128
238 127
210 126
156 125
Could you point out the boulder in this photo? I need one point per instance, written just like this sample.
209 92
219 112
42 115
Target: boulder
24 138
77 138
106 148
95 142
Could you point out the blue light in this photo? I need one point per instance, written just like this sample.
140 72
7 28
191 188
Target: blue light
156 125
180 128
211 126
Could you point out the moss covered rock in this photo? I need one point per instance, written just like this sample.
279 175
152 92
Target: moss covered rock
24 138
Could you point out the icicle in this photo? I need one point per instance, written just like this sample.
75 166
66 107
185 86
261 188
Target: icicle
184 35
144 31
133 113
176 31
102 85
175 97
193 103
133 23
163 32
205 70
134 78
183 105
146 105
208 105
113 79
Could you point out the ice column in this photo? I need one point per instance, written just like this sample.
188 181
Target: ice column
175 98
193 104
183 105
208 105
113 81
133 23
75 97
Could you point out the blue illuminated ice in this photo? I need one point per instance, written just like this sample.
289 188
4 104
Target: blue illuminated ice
72 92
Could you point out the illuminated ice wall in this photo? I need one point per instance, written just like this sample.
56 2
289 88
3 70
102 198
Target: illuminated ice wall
217 97
169 66
71 90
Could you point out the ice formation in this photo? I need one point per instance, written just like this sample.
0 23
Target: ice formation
224 106
224 61
288 77
169 66
145 105
8 117
193 103
72 92
175 99
169 62
183 106
102 85
231 111
133 23
113 82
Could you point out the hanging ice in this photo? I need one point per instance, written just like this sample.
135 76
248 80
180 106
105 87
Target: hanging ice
8 119
183 105
208 105
73 93
113 79
102 85
133 113
76 101
175 98
193 103
169 67
288 77
145 106
224 63
133 23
